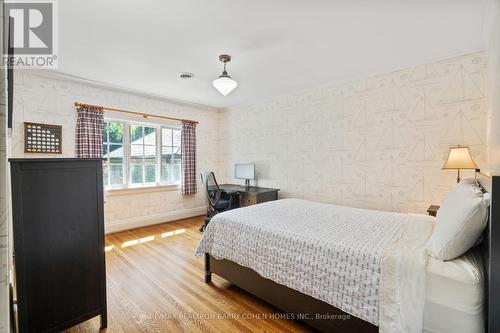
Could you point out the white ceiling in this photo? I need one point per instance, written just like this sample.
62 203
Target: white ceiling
278 46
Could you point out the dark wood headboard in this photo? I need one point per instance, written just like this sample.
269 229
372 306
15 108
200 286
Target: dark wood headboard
491 254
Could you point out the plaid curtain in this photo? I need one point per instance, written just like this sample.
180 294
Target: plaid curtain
89 127
188 145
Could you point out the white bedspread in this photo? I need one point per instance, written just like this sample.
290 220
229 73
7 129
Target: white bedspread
333 253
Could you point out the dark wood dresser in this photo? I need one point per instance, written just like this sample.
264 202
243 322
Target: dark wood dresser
58 224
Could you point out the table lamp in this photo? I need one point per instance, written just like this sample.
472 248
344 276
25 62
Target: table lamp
459 158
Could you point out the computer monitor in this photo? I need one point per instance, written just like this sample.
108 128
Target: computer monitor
244 171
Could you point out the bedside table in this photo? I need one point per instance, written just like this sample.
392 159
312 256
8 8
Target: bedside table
432 210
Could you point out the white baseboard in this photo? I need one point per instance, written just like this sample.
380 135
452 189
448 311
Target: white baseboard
143 221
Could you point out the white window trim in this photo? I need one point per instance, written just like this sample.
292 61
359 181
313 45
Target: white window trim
141 189
144 187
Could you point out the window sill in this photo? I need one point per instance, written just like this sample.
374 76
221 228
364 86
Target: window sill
141 189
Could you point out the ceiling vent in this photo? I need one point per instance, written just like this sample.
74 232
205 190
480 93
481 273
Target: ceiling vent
186 75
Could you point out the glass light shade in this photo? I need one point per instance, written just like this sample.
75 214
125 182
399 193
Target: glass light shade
459 158
224 84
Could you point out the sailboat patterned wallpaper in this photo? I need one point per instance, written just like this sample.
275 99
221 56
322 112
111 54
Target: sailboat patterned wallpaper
375 143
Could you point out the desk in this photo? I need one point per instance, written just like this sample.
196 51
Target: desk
251 195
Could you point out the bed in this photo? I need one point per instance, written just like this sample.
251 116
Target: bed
359 296
455 291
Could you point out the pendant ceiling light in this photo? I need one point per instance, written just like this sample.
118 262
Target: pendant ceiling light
224 84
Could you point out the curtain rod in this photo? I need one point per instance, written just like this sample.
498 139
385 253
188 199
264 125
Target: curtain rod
144 115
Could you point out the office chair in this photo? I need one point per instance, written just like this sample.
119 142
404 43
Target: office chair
218 200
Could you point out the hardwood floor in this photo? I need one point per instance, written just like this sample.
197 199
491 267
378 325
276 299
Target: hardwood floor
155 284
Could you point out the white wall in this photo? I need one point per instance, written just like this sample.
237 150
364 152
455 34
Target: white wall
378 142
494 89
47 98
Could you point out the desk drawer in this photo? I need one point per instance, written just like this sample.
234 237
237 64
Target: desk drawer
247 199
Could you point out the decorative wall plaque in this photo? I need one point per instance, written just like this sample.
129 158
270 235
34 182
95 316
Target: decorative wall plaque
42 138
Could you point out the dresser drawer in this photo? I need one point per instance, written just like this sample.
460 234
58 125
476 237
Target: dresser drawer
247 199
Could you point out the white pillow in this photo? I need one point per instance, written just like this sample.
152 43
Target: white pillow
460 221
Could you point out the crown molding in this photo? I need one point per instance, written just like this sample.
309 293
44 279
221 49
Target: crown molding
353 78
491 14
59 75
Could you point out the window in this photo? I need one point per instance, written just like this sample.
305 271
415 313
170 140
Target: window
113 153
170 155
142 154
139 154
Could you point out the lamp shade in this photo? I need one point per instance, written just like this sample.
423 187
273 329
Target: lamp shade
224 84
459 158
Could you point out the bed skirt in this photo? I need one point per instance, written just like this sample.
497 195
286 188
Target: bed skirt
314 312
